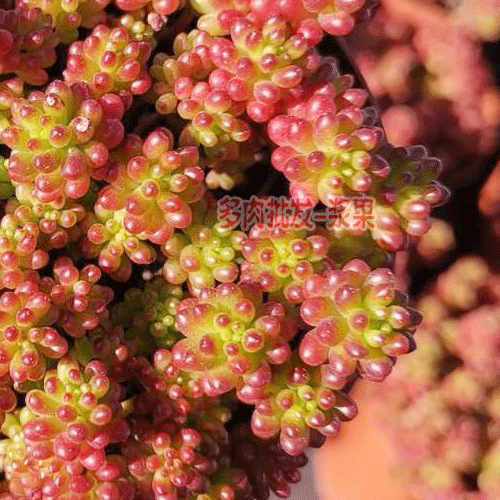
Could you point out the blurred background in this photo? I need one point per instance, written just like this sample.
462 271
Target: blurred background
432 431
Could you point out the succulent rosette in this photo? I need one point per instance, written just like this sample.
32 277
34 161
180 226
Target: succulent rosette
178 463
19 250
280 257
147 315
56 444
204 253
148 198
406 196
57 227
292 400
28 336
179 446
58 139
30 311
191 63
230 332
361 323
324 148
250 73
331 154
29 232
82 302
166 446
206 256
108 60
173 393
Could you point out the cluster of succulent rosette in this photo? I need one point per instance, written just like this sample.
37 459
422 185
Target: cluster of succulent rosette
442 405
148 350
416 58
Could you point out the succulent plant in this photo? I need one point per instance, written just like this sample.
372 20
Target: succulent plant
182 311
361 323
443 402
59 139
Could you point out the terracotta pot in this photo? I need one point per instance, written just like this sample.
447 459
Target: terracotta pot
359 463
